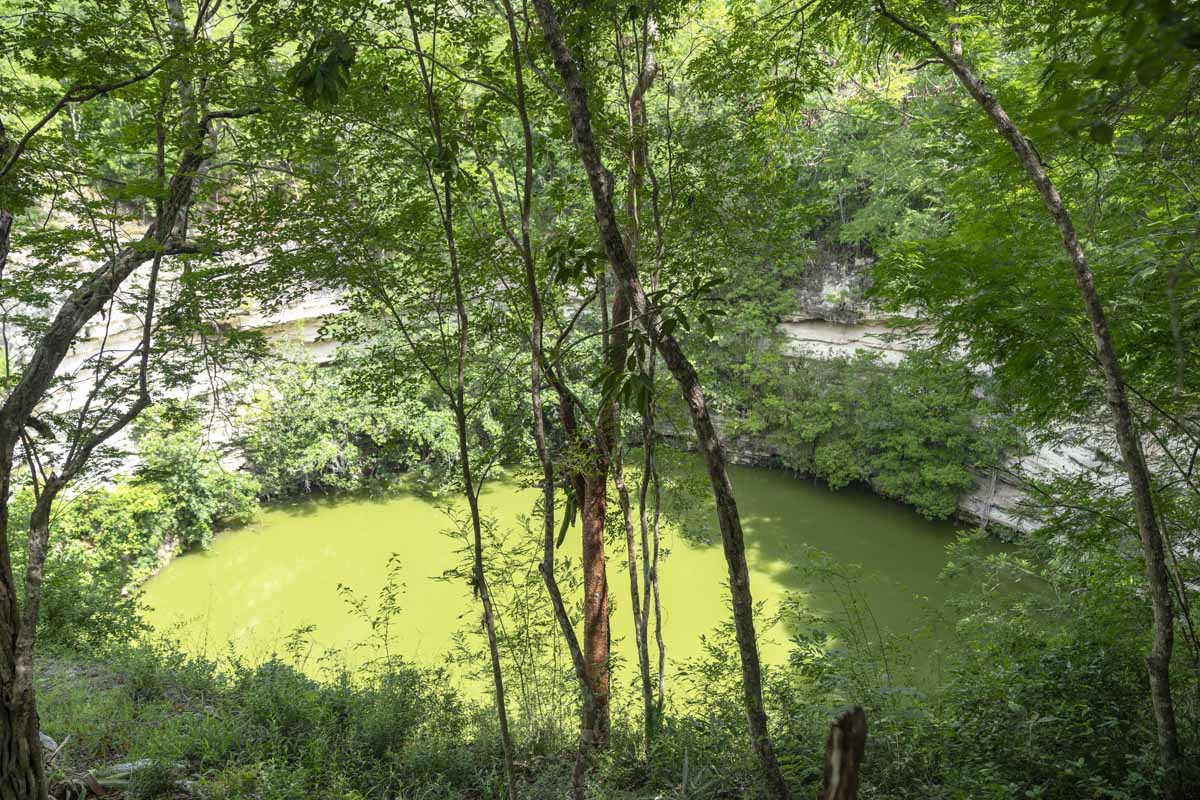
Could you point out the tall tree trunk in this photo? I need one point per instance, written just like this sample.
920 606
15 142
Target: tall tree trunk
481 586
525 246
23 703
605 453
638 159
457 394
600 182
639 607
489 613
596 634
6 222
1159 660
21 771
566 409
650 538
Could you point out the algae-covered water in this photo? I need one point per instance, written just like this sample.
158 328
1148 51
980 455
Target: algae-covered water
258 584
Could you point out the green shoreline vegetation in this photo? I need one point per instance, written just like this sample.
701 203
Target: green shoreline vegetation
306 434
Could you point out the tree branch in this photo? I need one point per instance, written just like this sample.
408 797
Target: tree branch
78 94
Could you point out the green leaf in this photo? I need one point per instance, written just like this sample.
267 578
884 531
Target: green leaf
323 75
1101 132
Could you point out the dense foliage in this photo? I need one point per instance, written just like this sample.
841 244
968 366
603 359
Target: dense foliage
302 432
538 223
915 432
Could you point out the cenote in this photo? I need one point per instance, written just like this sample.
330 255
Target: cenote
258 584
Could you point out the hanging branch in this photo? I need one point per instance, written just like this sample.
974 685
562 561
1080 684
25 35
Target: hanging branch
76 94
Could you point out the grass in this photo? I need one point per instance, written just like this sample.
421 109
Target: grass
269 732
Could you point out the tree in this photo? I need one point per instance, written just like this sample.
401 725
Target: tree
410 263
95 71
523 242
601 184
1108 361
442 174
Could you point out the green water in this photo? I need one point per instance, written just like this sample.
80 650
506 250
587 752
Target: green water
258 584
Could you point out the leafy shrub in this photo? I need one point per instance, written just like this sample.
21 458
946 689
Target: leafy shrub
199 494
126 526
1042 694
105 539
305 432
914 432
152 781
270 731
84 605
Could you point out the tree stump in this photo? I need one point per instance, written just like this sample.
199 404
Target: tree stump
843 755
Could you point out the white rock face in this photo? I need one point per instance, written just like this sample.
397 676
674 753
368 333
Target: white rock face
833 318
118 333
814 337
998 496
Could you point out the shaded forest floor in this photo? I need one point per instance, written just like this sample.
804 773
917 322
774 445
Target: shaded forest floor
192 730
1024 712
